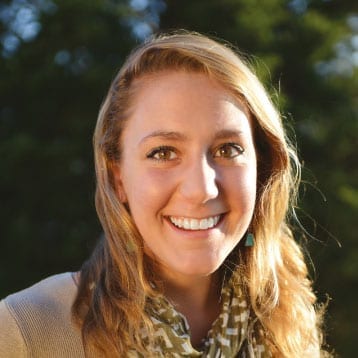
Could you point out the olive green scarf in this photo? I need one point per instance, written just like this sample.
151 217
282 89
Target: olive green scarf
229 336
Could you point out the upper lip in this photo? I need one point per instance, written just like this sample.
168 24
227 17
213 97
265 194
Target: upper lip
194 217
195 224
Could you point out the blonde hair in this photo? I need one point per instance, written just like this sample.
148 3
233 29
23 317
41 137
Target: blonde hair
115 282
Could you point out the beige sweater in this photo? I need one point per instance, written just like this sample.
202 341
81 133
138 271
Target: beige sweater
36 322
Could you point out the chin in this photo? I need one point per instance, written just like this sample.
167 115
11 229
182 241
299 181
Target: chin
199 267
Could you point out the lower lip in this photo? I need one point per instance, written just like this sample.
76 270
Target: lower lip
195 233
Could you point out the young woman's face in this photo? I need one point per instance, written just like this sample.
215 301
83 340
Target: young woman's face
187 171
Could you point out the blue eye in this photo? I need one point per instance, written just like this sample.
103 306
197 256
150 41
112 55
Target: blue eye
228 151
162 153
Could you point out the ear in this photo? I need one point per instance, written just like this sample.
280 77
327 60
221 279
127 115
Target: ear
118 184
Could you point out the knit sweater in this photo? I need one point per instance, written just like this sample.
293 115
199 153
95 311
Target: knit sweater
36 322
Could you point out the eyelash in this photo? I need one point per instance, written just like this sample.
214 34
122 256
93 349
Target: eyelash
161 149
169 150
240 150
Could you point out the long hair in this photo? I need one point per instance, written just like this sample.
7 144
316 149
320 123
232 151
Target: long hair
116 281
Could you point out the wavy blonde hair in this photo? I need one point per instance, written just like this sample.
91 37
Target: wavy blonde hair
114 283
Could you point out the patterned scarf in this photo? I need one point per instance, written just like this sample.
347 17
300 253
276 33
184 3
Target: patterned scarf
228 337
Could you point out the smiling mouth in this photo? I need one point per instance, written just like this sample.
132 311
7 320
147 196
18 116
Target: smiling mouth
195 224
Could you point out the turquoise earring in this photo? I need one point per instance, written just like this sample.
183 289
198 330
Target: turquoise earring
249 240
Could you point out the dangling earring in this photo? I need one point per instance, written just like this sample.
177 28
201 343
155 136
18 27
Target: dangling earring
249 240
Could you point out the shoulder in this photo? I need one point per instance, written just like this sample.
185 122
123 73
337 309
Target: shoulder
40 319
51 295
12 344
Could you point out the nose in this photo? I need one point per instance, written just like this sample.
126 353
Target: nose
199 182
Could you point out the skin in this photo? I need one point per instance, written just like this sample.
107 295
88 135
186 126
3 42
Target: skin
188 152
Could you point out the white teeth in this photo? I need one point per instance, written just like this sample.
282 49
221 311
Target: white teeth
204 224
195 224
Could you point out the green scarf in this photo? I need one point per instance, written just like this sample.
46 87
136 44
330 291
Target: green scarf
229 335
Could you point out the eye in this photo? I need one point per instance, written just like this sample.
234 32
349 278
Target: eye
162 153
228 151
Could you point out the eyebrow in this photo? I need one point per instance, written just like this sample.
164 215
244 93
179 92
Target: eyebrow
222 134
228 133
165 135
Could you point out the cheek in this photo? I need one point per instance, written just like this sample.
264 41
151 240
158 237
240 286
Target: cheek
241 182
240 194
147 192
248 185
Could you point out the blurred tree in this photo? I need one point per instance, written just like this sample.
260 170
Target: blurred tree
57 61
308 50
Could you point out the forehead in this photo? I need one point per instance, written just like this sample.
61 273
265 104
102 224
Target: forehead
174 87
184 101
172 81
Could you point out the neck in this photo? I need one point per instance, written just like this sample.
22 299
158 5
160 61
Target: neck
192 291
198 299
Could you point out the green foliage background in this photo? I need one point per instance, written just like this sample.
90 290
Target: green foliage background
57 60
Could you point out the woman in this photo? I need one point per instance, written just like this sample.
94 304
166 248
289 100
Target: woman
195 181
